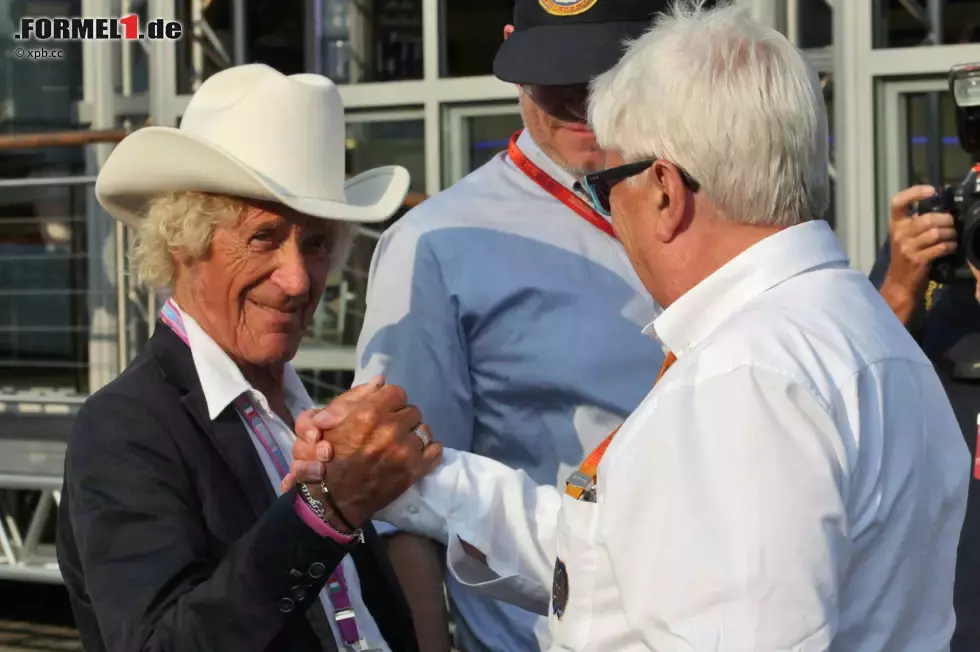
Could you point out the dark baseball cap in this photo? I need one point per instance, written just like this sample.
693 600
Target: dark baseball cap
568 42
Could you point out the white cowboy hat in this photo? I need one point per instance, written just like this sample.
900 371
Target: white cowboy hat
252 132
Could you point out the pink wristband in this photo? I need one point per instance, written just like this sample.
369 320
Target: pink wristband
319 526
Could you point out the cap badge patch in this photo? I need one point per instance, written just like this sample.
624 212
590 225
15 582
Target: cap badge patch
566 7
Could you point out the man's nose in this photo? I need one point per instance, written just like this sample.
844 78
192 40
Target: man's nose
292 276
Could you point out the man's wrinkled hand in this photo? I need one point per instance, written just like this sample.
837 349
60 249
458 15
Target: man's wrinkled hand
365 447
310 452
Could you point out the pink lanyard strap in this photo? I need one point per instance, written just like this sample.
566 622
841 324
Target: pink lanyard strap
336 582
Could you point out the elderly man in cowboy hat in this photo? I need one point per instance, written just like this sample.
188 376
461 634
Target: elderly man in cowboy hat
174 532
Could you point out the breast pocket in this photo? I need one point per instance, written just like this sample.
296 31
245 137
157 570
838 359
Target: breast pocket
573 584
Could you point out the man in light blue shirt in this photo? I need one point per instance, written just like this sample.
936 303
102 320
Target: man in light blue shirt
506 307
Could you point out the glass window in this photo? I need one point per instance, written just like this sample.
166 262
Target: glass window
902 23
372 144
489 134
475 134
379 40
328 350
37 95
470 34
43 263
324 386
350 41
814 23
327 355
274 34
935 155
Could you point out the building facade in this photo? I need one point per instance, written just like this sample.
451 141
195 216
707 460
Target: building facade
415 79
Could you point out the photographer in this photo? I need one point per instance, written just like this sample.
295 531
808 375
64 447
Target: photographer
945 320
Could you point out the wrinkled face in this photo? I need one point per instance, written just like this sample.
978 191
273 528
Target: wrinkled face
256 290
556 118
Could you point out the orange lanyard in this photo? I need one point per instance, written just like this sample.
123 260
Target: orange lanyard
585 478
555 189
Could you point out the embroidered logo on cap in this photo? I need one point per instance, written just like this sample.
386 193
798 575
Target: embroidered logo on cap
566 7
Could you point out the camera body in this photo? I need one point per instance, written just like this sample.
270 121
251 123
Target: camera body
962 200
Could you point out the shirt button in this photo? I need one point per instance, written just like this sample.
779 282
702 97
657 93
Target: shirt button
317 570
286 605
412 509
299 593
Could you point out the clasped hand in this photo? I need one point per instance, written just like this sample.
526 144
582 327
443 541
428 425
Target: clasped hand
363 446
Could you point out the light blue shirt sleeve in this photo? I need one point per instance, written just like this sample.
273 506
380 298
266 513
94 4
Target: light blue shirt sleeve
413 335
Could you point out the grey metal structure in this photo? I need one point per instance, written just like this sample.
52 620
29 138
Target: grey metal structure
439 120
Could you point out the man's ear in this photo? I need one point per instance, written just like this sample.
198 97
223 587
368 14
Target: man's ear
669 195
508 30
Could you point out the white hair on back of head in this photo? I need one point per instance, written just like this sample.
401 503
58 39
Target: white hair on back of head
730 101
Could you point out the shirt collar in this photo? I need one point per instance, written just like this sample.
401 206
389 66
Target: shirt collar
222 381
777 258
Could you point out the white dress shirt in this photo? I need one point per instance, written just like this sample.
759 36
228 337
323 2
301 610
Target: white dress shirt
222 382
797 481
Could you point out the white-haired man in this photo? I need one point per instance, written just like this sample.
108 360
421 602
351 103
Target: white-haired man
502 304
796 480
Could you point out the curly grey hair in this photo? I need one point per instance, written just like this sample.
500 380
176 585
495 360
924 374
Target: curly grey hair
179 221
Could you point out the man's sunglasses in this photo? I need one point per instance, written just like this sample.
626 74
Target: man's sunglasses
600 184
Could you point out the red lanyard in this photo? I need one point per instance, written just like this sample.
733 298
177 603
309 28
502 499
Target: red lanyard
556 190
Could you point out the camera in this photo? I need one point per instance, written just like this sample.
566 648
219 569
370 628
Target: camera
962 201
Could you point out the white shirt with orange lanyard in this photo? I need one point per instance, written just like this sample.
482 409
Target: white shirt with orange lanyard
796 481
503 313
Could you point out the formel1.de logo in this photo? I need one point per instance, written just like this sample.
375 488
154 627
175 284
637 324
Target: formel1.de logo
76 28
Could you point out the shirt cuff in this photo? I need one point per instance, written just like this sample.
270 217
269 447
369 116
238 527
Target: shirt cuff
318 525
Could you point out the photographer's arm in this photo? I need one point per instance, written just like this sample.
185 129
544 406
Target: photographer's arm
915 242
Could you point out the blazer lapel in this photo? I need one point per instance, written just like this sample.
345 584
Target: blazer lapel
232 439
227 432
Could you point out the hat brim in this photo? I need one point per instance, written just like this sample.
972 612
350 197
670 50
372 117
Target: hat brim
563 55
157 160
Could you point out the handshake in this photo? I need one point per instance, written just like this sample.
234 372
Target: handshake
368 447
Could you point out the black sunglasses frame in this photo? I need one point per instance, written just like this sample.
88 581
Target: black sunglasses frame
600 184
